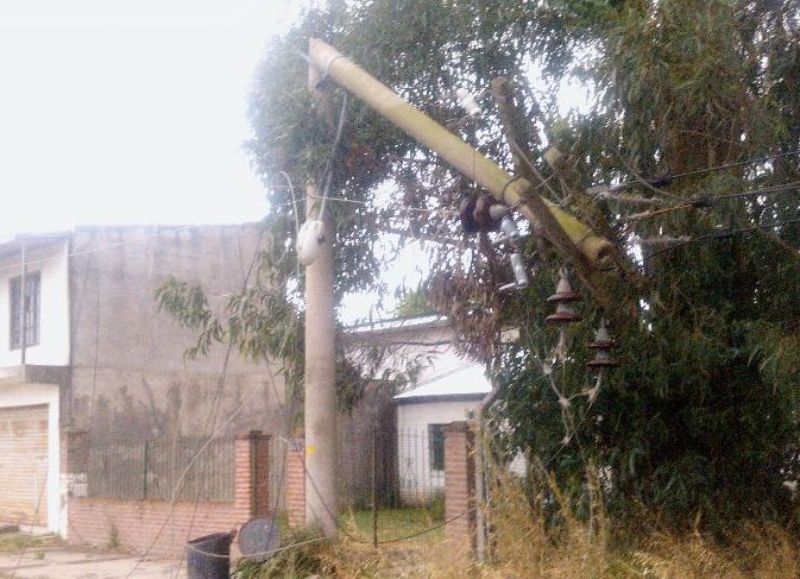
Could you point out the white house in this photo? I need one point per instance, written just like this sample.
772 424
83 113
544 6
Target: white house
451 395
445 387
34 361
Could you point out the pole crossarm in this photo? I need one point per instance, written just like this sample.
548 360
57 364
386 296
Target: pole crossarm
515 192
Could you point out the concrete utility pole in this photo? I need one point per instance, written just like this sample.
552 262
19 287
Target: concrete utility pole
514 192
320 383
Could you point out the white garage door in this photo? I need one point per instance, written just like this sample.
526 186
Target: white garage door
23 465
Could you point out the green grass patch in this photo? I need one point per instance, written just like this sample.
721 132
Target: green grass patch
395 523
15 542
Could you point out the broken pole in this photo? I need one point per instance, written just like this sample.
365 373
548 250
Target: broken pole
513 191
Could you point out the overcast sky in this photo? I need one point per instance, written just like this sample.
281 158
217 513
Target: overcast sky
117 112
133 112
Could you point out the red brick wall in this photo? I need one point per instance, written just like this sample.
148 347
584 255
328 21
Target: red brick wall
459 480
134 525
161 529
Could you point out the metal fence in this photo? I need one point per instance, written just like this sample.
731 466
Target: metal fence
406 500
420 457
276 472
153 469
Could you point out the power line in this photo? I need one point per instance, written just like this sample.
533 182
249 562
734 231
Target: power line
724 235
328 172
105 247
667 179
701 201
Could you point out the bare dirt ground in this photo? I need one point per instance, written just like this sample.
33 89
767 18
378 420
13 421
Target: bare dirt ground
71 564
26 557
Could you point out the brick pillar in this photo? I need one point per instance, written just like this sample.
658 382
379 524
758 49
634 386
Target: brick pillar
459 484
296 481
251 475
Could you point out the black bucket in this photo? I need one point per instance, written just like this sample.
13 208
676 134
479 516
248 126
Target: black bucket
209 557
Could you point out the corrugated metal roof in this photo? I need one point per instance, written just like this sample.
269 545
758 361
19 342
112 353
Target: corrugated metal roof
432 320
463 380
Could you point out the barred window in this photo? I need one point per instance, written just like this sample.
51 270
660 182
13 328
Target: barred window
436 442
32 310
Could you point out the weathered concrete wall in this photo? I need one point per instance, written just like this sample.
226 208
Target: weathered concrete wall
129 376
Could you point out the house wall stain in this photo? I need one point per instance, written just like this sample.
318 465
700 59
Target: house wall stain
130 380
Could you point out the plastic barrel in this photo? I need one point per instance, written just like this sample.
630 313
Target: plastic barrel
209 557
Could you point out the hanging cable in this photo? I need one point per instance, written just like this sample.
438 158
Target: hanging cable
294 200
706 200
667 179
724 235
328 173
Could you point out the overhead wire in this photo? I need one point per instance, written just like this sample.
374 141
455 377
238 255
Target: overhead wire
327 174
104 247
701 201
667 179
723 235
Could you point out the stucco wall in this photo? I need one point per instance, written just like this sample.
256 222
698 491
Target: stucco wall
129 376
53 347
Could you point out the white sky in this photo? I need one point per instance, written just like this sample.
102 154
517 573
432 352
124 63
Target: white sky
117 112
133 112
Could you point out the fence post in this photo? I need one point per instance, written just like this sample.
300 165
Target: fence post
144 481
459 484
374 485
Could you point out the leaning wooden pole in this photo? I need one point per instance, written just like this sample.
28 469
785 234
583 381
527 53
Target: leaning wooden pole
513 191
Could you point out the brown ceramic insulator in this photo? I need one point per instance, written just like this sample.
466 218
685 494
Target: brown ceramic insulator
465 212
563 318
610 363
564 297
481 214
564 291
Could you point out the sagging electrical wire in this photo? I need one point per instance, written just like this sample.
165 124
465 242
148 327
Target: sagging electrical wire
723 235
327 174
668 179
701 201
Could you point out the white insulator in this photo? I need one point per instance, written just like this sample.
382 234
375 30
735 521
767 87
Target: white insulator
520 273
467 102
309 241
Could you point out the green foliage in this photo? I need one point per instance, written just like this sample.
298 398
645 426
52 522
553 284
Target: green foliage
414 302
700 420
301 561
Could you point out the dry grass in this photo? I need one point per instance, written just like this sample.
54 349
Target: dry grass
522 548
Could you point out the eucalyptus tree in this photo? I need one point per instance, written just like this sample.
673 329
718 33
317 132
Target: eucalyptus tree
699 421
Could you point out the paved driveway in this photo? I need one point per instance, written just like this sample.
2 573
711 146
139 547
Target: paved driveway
61 563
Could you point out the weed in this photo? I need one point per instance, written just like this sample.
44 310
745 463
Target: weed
113 537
